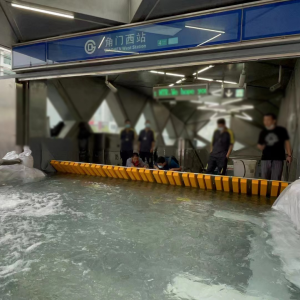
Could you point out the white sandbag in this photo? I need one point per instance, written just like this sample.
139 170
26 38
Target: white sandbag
11 155
19 173
26 157
289 202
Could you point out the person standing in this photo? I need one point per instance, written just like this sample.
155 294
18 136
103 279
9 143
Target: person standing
127 142
83 142
146 144
221 148
276 148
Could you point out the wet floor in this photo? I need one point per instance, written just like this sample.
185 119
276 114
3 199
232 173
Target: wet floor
72 237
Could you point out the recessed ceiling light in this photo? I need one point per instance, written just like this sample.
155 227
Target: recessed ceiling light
174 74
43 11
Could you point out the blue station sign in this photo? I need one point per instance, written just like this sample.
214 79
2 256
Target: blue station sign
231 26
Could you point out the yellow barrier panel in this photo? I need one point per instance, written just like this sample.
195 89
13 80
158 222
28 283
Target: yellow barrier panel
226 183
149 175
218 183
129 172
193 180
101 171
62 166
283 185
243 185
85 169
94 168
88 168
208 182
163 177
274 188
136 174
77 165
254 184
105 169
117 171
170 177
263 187
112 172
76 171
156 176
177 178
235 184
201 181
185 178
67 167
143 175
82 168
56 165
124 173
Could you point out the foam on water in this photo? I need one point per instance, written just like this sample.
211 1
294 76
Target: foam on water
189 287
20 232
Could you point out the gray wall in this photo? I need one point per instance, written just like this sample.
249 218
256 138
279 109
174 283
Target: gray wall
7 36
289 117
7 116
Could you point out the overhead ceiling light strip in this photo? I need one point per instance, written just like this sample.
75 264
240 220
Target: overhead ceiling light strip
209 40
205 79
205 29
207 68
174 74
232 101
43 11
157 72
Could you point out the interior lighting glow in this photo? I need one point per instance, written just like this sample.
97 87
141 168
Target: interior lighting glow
158 72
211 108
174 74
179 81
244 117
206 79
232 101
43 11
207 68
211 103
205 29
210 39
171 84
229 82
213 116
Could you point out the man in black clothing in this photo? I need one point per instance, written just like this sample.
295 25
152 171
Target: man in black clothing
222 145
127 140
274 143
146 144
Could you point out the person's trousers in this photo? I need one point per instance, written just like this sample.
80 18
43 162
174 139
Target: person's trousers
271 169
124 156
217 162
147 157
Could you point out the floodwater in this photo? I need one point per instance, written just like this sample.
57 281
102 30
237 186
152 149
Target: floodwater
74 238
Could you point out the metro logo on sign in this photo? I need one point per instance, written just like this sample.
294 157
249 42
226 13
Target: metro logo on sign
90 47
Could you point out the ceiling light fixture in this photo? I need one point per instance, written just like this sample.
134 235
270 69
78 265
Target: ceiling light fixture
212 103
158 72
229 82
171 84
213 116
209 40
207 68
174 74
206 79
205 29
232 101
196 101
244 117
179 81
242 77
43 11
211 108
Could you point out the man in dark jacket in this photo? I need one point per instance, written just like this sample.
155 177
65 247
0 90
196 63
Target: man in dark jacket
127 137
222 145
146 144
